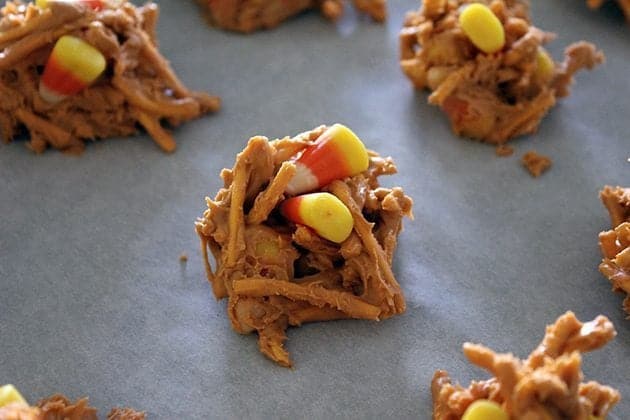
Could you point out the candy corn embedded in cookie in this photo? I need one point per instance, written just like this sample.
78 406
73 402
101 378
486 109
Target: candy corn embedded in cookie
482 27
72 66
545 66
338 153
322 212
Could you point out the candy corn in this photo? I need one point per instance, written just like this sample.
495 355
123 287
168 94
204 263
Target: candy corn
92 4
72 66
10 395
337 153
482 27
322 212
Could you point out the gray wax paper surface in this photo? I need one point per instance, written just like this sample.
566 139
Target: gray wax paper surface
94 300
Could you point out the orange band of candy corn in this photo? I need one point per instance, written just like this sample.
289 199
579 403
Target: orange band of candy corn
60 79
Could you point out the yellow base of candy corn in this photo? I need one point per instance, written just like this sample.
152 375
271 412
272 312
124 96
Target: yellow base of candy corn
83 60
350 146
327 215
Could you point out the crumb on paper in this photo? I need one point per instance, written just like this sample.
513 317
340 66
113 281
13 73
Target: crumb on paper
503 150
536 163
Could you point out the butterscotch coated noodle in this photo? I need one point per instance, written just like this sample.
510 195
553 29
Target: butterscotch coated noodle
546 385
277 274
250 15
138 87
493 85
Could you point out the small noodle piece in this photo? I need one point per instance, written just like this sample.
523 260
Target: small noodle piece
269 198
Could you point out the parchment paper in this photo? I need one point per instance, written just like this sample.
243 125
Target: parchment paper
94 300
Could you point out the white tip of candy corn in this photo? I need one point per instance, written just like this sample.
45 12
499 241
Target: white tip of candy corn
50 96
303 180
